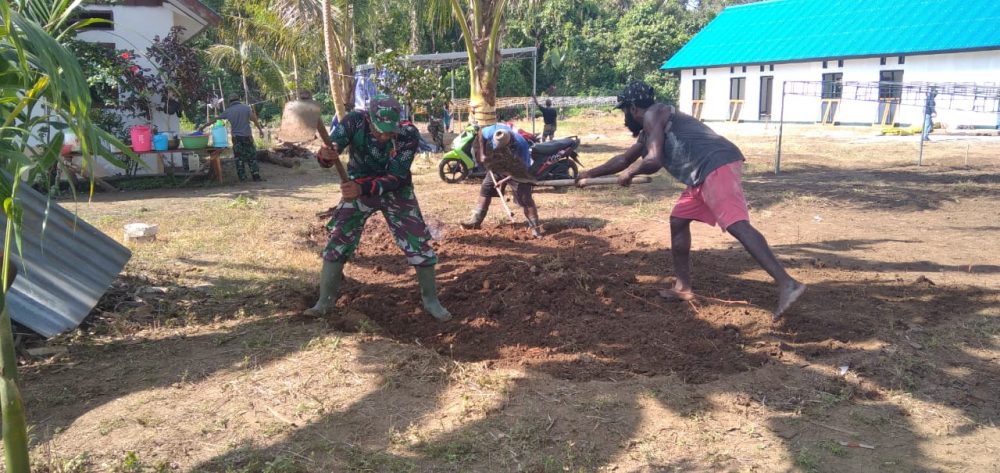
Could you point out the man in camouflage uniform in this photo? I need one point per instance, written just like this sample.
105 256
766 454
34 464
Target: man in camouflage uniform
239 116
436 129
381 153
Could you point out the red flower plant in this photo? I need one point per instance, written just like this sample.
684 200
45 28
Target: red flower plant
126 55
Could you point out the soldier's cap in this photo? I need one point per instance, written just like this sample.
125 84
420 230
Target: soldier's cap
384 112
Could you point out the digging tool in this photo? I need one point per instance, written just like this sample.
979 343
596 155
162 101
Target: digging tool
336 162
301 121
593 181
503 201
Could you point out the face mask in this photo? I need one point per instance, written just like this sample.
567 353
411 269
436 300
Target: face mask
633 125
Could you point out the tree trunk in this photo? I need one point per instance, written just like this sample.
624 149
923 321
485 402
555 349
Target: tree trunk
339 45
15 436
243 74
295 76
481 29
414 31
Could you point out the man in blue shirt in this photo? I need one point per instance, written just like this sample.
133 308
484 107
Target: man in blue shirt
930 111
522 192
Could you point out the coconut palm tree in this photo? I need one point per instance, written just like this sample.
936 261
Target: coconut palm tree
482 24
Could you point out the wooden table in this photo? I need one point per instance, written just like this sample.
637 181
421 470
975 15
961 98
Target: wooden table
212 165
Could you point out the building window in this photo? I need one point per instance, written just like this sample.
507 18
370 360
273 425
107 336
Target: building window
694 71
881 61
698 89
771 67
732 69
697 97
824 64
890 94
107 15
833 90
704 71
840 63
744 68
901 60
737 93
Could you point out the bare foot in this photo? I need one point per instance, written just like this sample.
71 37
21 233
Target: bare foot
677 295
789 294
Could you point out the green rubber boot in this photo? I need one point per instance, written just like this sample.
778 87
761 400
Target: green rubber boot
475 220
428 293
329 287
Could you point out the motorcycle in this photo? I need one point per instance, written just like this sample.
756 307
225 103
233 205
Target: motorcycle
457 164
556 159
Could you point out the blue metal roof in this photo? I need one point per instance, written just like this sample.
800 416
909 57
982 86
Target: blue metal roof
64 270
800 30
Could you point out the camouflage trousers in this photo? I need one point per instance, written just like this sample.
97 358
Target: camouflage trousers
436 130
401 212
245 152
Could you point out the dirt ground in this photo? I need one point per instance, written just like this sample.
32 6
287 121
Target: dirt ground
560 357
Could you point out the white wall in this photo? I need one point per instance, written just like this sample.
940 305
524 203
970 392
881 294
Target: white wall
134 29
981 67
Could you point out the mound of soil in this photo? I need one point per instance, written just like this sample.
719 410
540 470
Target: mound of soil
579 304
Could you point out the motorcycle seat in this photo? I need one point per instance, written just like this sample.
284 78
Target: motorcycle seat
552 147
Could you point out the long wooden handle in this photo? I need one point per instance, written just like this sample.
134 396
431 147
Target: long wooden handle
594 181
336 162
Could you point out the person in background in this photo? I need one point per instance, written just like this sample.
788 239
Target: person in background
239 116
446 117
930 111
549 116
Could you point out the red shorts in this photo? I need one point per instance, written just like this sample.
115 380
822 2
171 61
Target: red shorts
718 200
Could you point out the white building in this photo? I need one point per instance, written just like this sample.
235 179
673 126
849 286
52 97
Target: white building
735 68
135 23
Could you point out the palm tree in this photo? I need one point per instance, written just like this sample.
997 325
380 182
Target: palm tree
42 88
338 41
254 41
337 23
482 26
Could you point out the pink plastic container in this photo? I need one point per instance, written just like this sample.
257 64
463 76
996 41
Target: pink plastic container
142 138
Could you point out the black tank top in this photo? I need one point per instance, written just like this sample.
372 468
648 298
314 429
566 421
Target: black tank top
693 150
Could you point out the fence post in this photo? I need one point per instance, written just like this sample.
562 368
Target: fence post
781 129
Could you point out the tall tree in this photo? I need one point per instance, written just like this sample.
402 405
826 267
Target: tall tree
482 25
338 40
337 24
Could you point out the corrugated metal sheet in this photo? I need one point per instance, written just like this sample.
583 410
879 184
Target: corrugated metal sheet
798 30
65 270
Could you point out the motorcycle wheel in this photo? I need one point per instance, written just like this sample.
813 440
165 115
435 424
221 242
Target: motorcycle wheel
452 171
572 170
562 170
